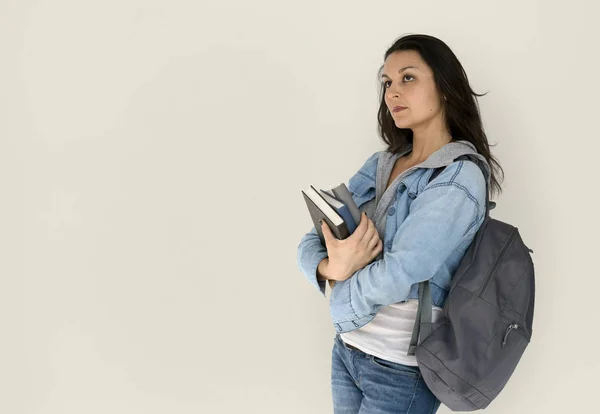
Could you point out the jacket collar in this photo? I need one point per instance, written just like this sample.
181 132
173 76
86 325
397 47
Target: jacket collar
443 157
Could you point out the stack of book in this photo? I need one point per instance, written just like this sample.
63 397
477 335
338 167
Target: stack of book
336 207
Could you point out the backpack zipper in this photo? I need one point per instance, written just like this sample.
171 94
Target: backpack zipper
490 275
509 329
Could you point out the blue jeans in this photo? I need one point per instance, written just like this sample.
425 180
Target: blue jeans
366 384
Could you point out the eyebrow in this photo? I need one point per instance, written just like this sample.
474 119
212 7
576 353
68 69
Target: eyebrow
400 70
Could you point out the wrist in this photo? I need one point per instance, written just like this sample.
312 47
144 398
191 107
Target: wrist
333 272
322 270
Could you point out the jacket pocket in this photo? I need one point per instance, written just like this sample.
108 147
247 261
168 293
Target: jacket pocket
361 188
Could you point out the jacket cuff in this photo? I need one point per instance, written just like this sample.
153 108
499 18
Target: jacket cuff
311 271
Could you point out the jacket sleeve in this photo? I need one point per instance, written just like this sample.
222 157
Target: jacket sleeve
443 214
309 255
310 251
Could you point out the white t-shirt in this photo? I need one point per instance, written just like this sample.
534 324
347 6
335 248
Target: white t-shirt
388 335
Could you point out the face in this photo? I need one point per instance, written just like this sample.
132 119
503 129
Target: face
413 88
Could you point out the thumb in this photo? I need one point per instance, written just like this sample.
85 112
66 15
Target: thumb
326 230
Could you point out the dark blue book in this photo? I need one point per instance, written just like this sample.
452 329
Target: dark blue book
340 208
341 193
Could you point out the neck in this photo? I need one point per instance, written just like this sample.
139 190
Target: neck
426 143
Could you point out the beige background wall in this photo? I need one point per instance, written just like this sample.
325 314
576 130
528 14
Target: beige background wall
153 154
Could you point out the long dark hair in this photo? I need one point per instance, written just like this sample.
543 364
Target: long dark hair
461 109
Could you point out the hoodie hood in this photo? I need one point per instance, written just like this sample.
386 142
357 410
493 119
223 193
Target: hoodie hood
446 156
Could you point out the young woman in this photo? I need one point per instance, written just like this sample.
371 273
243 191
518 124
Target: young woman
413 228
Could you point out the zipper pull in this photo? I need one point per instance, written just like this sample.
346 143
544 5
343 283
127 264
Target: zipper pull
510 327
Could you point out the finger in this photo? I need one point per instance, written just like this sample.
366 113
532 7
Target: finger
371 231
360 230
324 228
326 231
373 242
378 247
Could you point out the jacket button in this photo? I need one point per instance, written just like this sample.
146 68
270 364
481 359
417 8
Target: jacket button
392 211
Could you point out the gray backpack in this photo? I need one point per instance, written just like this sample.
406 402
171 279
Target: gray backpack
467 357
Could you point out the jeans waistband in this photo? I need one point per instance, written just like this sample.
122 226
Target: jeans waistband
348 346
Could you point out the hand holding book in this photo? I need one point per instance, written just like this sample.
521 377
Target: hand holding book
352 253
349 247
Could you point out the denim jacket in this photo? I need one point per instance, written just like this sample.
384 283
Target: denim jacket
427 232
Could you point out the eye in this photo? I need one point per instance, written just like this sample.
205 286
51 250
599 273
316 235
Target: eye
405 76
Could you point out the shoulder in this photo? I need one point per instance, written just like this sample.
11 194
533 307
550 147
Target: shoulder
364 179
375 156
461 176
369 166
372 159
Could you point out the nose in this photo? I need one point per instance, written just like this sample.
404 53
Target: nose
393 91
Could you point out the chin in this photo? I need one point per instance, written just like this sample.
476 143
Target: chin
402 123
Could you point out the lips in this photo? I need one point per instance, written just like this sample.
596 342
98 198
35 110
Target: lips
399 108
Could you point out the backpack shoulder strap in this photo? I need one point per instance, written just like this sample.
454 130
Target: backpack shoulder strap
490 204
435 174
440 169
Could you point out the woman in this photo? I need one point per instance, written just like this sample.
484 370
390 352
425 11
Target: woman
418 227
